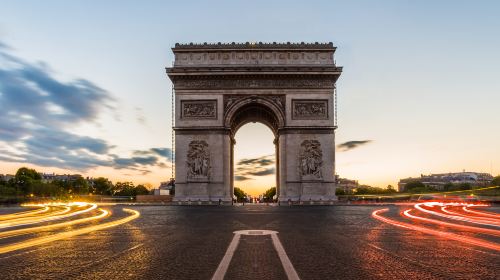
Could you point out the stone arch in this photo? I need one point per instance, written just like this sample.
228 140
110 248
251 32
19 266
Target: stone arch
254 109
288 87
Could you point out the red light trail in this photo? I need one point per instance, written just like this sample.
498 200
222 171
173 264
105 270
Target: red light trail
452 211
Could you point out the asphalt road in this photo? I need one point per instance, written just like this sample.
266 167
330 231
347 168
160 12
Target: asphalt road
189 242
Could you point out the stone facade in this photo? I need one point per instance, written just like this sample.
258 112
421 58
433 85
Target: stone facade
288 87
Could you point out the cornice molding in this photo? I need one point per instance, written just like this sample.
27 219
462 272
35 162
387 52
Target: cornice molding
253 45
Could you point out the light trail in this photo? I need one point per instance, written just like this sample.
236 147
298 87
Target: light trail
52 218
24 214
470 228
63 235
21 221
458 218
445 209
448 235
17 232
481 213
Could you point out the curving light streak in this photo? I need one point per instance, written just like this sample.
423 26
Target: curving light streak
51 218
458 218
470 228
452 236
481 213
21 221
63 235
17 232
49 213
24 214
473 217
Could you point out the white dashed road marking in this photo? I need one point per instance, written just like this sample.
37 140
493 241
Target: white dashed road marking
285 261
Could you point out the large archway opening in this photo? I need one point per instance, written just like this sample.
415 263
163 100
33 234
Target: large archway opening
255 166
254 162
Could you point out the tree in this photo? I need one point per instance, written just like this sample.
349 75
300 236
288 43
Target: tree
464 186
240 194
414 185
496 181
25 179
141 190
80 186
25 172
391 189
270 193
124 189
102 186
448 186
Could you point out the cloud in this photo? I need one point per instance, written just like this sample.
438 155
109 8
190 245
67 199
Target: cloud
262 161
166 153
39 111
264 172
254 167
140 116
241 178
349 145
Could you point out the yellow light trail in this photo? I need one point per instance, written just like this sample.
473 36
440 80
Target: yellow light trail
17 232
37 220
68 234
24 214
28 220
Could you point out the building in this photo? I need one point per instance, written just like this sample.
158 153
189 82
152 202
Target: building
165 188
50 177
347 185
438 181
6 177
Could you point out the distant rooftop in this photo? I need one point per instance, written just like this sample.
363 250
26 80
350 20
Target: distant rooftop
260 45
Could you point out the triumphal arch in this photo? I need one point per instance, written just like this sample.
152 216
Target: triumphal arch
289 87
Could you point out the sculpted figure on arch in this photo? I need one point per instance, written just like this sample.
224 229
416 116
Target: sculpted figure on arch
310 160
198 160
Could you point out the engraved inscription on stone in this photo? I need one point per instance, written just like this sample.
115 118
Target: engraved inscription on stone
199 109
310 160
198 160
310 109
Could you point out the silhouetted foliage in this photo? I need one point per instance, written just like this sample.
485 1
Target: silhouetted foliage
102 186
269 194
414 185
340 192
240 194
364 189
496 181
28 182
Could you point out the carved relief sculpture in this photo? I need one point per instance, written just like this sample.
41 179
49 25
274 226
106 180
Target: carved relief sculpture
310 109
310 160
198 160
199 109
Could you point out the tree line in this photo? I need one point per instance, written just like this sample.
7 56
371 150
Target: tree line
28 182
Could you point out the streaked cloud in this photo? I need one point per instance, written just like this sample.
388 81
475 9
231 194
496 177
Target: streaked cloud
38 113
254 167
349 145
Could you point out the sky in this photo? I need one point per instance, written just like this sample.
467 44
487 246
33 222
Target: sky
419 92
